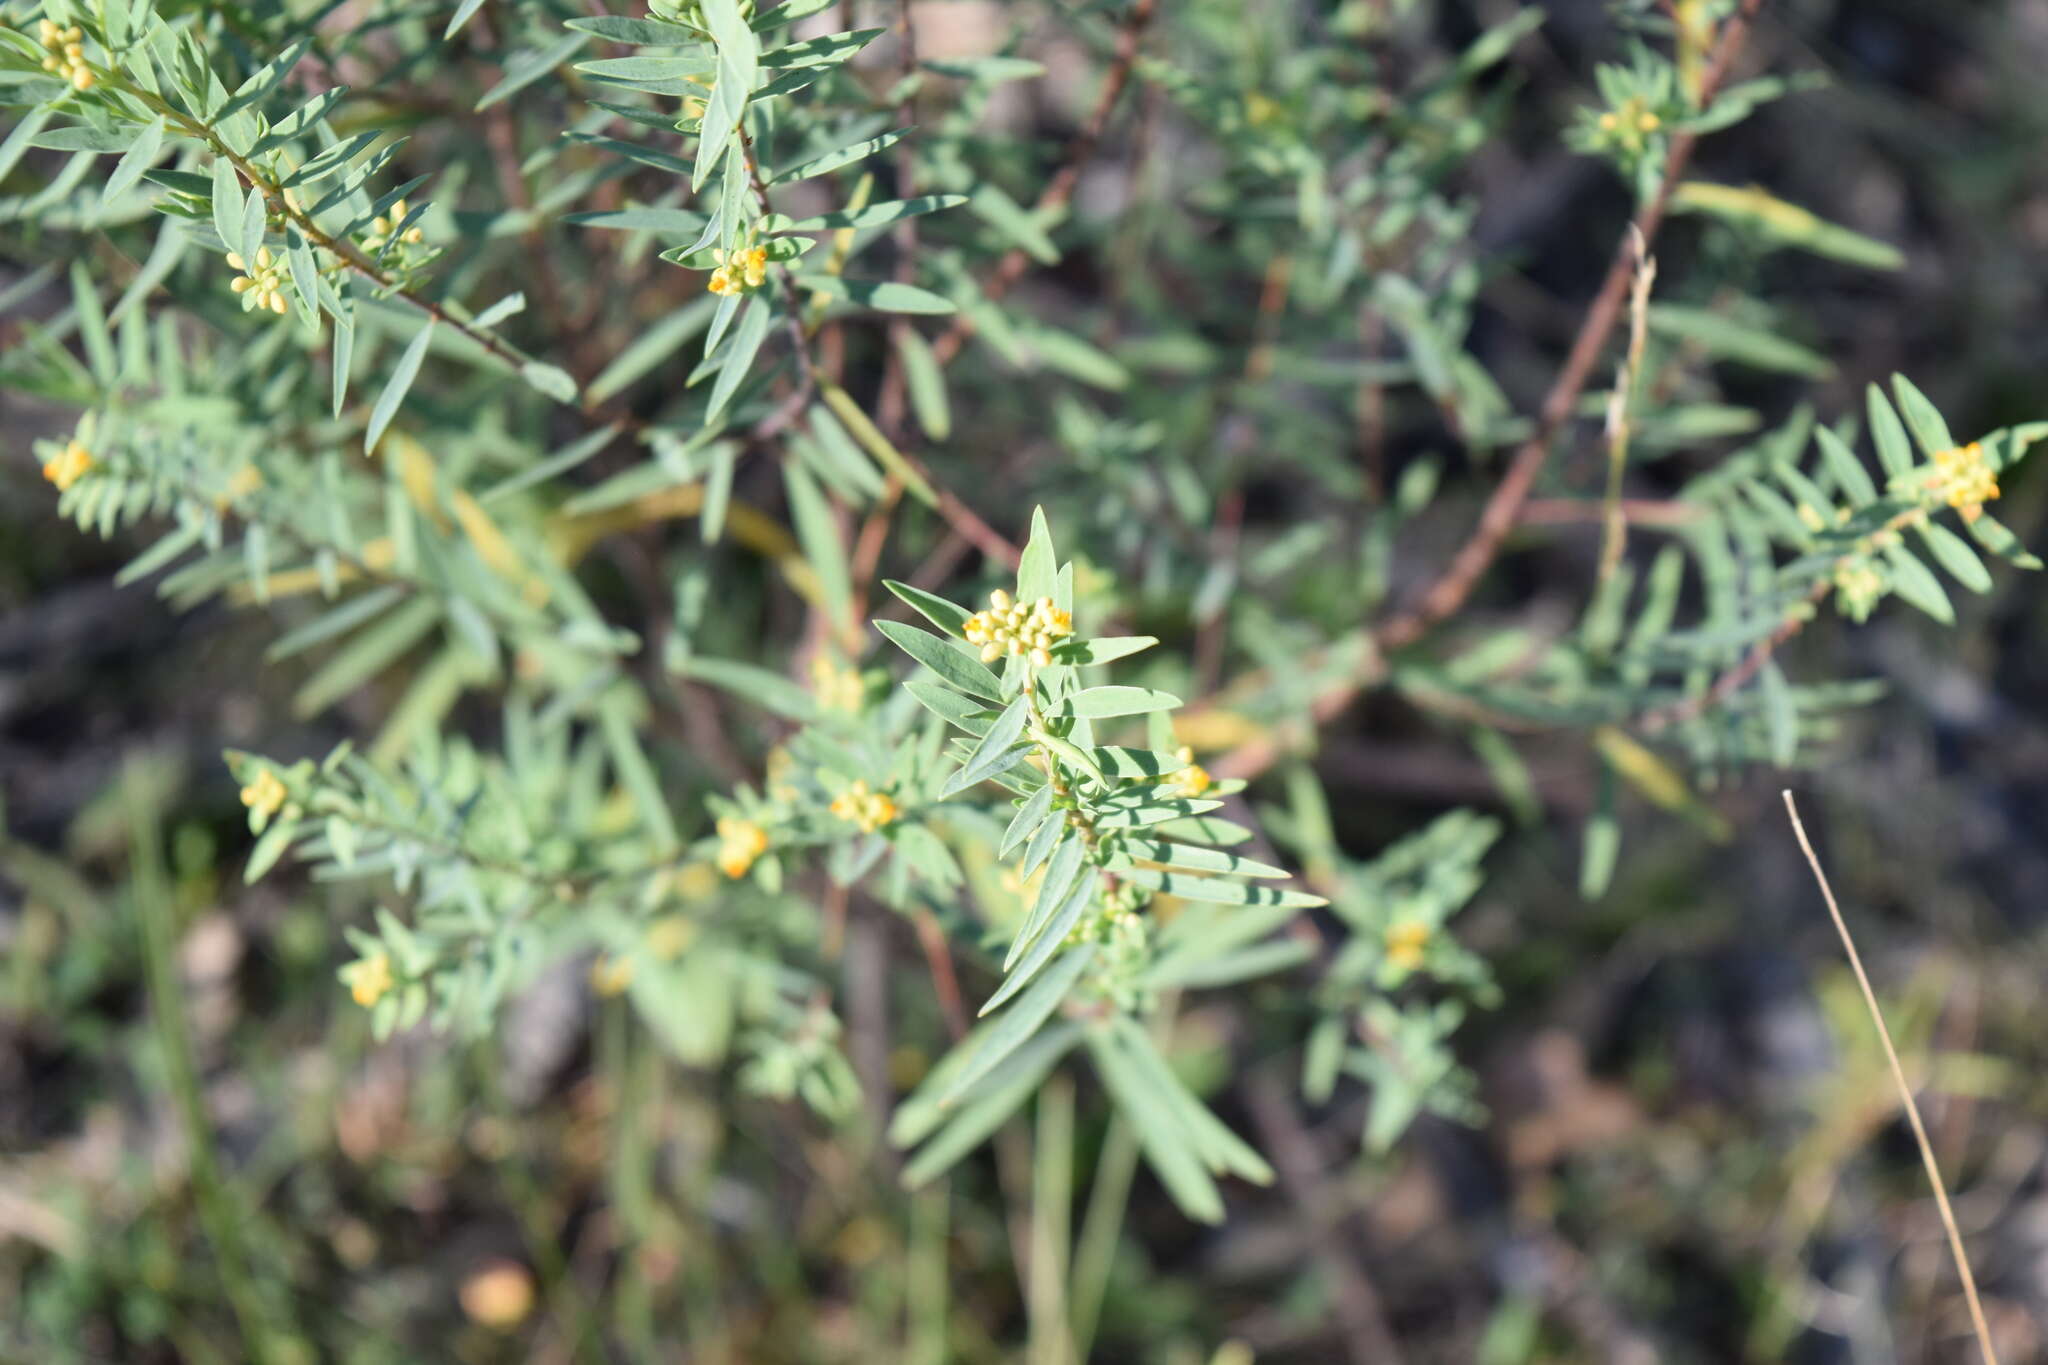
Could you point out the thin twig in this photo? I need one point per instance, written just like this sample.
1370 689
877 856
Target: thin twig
1472 560
1367 1338
1731 682
1060 188
1503 509
1891 1055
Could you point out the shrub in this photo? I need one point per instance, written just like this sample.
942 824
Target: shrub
630 426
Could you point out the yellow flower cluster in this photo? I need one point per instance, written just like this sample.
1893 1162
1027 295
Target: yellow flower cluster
68 465
1631 117
1009 627
1858 586
368 979
868 809
609 976
740 270
499 1296
669 937
1193 779
66 47
266 794
838 687
382 226
1965 480
262 285
740 842
1405 944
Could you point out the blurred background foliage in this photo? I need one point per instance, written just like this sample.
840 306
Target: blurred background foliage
1680 1146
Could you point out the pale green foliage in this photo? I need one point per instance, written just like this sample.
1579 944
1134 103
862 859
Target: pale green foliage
359 443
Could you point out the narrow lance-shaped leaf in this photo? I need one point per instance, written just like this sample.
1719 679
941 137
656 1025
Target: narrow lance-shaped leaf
397 386
1024 1018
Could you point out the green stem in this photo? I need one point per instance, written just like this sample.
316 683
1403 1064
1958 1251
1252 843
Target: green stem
1101 1229
222 1221
1052 1195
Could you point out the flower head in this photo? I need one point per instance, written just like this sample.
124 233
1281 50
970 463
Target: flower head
68 465
1964 479
384 225
66 54
499 1296
869 810
740 270
1012 628
261 285
1405 944
740 842
368 978
609 976
265 794
1858 586
838 686
1192 779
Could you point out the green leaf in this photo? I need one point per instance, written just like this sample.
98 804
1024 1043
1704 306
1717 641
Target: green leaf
747 336
1051 937
1916 583
629 761
1893 452
818 532
1161 1132
396 387
1024 1019
877 215
751 683
138 158
844 156
554 382
649 32
971 716
926 382
884 296
1785 223
1955 555
996 751
269 849
528 65
872 440
1848 471
1069 857
654 345
227 206
1723 337
344 353
1010 219
828 50
1922 417
1107 649
738 63
1781 719
1221 1149
1600 847
679 222
1220 891
1200 859
1030 814
947 616
983 1111
1037 567
462 15
365 655
1098 703
337 621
